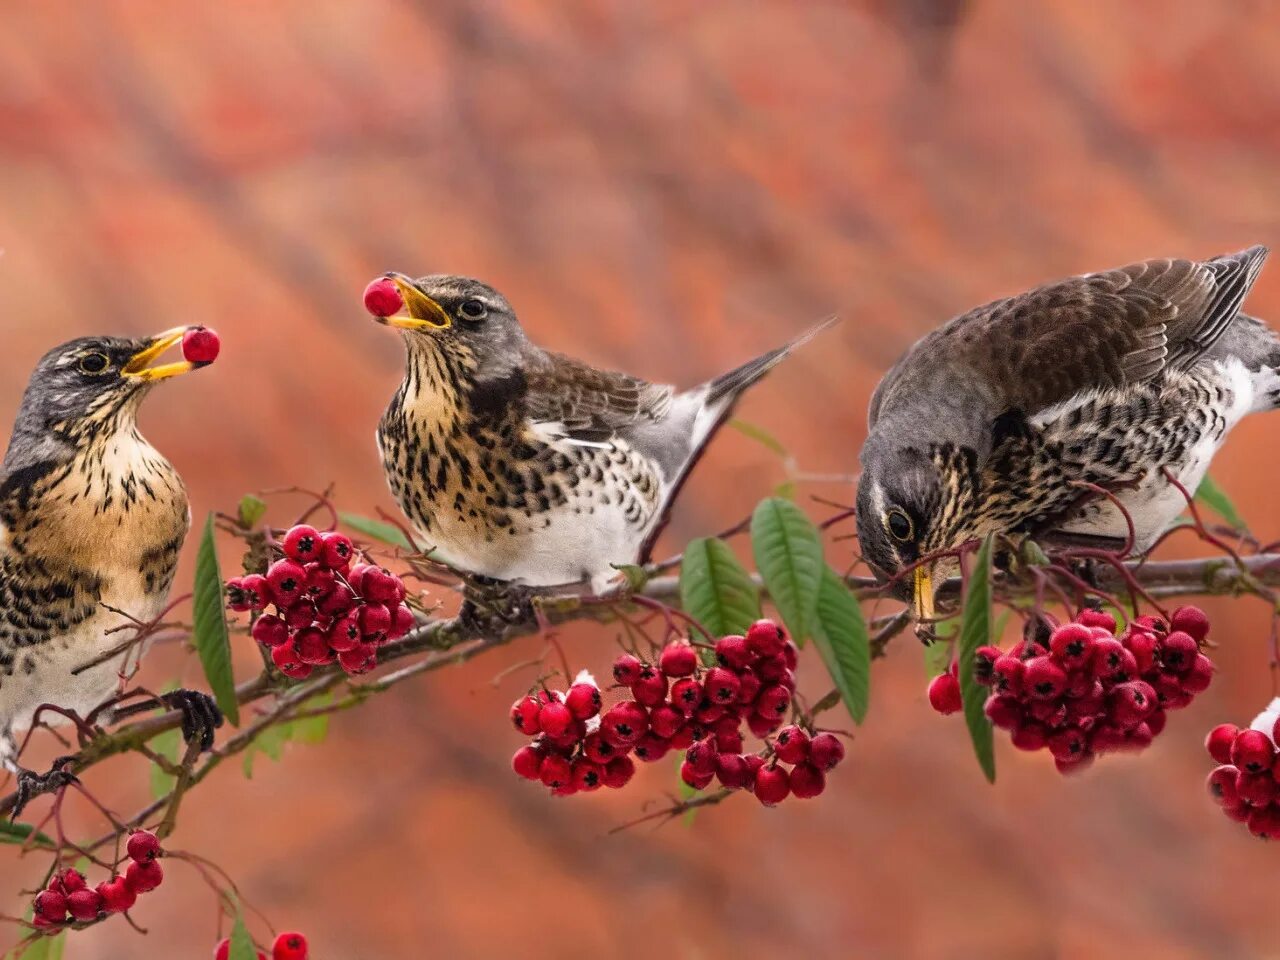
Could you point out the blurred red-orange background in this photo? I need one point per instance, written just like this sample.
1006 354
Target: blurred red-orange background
666 187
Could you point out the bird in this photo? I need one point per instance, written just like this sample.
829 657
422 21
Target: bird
527 467
92 519
1128 380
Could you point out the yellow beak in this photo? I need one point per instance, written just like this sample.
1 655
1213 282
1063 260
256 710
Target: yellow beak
138 366
424 313
924 594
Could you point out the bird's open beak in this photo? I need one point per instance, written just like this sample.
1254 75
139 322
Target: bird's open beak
924 593
139 368
424 313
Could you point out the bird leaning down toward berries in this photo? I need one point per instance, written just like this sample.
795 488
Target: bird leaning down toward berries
998 420
92 518
526 466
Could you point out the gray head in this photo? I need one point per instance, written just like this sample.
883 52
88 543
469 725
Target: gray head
85 390
461 316
901 517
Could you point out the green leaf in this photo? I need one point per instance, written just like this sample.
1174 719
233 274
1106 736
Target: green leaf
252 510
242 947
1213 497
315 729
840 634
788 553
975 631
385 532
635 576
44 948
166 744
716 590
209 621
17 833
761 436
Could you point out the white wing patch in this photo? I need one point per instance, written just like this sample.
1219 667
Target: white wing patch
554 433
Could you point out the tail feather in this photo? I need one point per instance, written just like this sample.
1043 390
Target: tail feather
731 384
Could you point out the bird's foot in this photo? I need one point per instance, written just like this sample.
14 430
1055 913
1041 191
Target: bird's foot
32 785
200 716
491 606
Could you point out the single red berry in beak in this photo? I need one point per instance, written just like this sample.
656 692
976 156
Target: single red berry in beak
200 345
381 298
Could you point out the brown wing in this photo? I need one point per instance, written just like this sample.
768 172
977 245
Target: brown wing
1042 347
591 404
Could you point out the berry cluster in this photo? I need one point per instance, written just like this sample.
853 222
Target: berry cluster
327 609
678 703
1079 690
1247 784
69 899
287 946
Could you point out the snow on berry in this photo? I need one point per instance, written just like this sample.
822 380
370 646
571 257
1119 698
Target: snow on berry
1246 784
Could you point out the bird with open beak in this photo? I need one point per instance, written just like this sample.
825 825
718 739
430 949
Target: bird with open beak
1010 418
527 466
92 518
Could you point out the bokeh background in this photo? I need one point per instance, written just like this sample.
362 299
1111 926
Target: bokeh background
667 187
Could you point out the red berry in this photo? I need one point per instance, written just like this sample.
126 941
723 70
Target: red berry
826 751
143 846
650 688
761 726
1190 620
651 748
84 905
527 763
289 946
1043 678
1071 767
312 645
359 659
790 654
380 585
288 580
67 881
554 718
256 591
375 621
524 716
320 581
626 669
301 613
200 345
402 621
289 663
1255 789
983 660
336 550
1222 785
597 748
1239 812
50 905
1111 661
693 778
587 776
732 652
721 685
944 694
1253 751
144 876
624 723
766 638
807 781
791 744
749 687
773 702
665 720
1132 702
270 631
556 772
683 738
1097 618
1198 678
732 771
1156 721
1264 823
685 695
1143 646
382 298
1030 736
1006 675
1068 745
678 659
302 543
772 785
1071 644
117 896
1220 741
702 757
618 772
1003 711
1178 652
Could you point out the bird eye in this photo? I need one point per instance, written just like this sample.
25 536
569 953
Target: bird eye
900 525
94 362
473 309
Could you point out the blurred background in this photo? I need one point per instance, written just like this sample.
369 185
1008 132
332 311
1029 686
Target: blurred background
669 188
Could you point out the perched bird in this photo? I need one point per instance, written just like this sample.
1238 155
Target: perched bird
1119 379
526 466
92 518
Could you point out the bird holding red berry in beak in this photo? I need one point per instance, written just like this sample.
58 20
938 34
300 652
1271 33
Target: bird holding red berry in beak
526 466
92 518
1010 417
